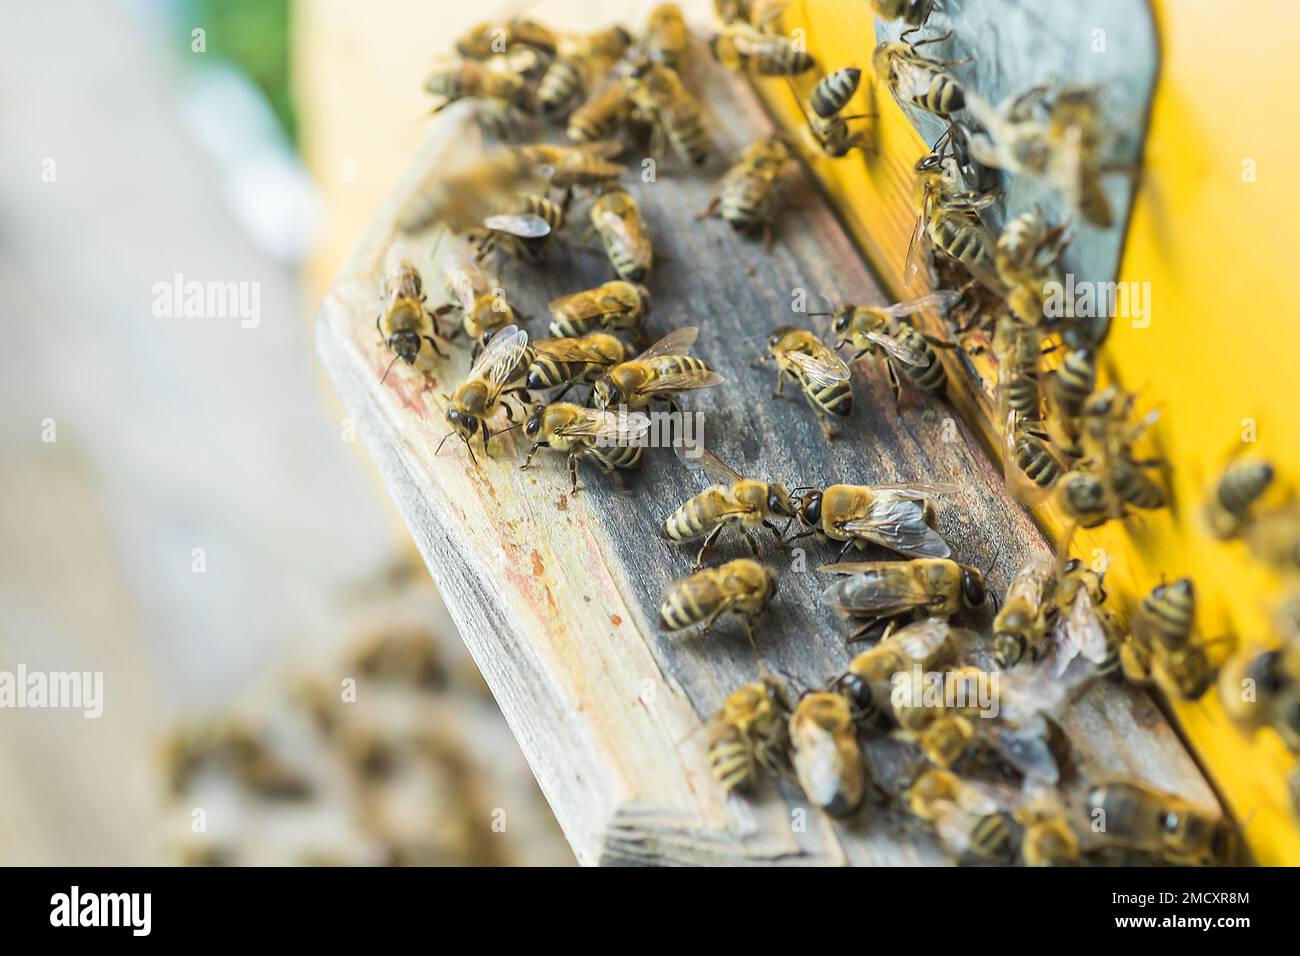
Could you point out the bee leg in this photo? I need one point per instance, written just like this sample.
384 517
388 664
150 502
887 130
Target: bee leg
894 384
434 345
378 329
712 209
767 237
826 428
528 459
751 541
704 548
780 385
510 415
845 550
573 474
863 633
776 533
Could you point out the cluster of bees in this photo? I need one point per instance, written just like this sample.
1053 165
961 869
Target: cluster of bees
990 788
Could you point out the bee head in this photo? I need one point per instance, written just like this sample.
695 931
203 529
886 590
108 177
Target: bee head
972 586
778 501
843 317
777 335
464 424
406 345
855 689
810 509
608 395
534 424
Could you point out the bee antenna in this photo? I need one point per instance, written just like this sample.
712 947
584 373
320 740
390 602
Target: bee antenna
387 370
443 442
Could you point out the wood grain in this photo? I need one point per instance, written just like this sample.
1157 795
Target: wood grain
556 595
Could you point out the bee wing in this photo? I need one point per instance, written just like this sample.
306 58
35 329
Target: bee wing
676 342
461 281
709 463
573 350
601 149
1082 631
897 349
817 761
911 80
935 300
898 523
573 298
523 225
821 368
500 357
623 229
917 490
884 593
921 640
917 246
1025 747
611 427
682 381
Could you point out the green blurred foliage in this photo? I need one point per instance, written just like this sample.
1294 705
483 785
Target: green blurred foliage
253 35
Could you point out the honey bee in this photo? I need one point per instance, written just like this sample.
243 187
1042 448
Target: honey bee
586 165
405 324
1027 257
239 752
901 517
1020 628
948 220
1019 353
750 733
743 588
1143 818
972 818
661 371
1084 627
752 188
876 591
1066 389
744 503
469 79
616 306
1160 646
827 759
828 127
1240 486
569 74
818 370
557 362
487 39
1048 840
601 115
1107 442
498 372
666 38
916 79
834 90
612 440
1077 143
1028 454
462 191
524 233
951 740
478 297
868 681
912 12
617 220
1081 498
747 49
661 99
757 13
880 331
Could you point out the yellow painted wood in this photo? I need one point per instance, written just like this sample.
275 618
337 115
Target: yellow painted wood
1213 244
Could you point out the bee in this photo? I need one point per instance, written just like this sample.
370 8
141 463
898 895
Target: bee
818 370
1067 388
972 818
586 165
1031 455
524 233
1160 645
406 324
661 371
752 188
1020 628
1240 486
916 79
827 759
601 115
1143 818
1081 498
1077 142
661 99
498 372
461 192
1274 538
868 681
953 739
1166 615
747 49
238 751
478 297
1107 442
569 75
618 221
757 13
613 440
1048 840
1019 353
834 90
559 362
616 306
901 517
1027 257
666 38
743 588
469 79
744 503
487 39
1083 626
876 591
948 220
1264 674
880 331
750 733
912 12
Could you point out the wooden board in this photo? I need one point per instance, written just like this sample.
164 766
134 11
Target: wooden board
556 595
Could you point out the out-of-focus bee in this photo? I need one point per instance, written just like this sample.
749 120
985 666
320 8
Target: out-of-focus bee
953 740
827 757
1027 453
525 233
618 221
237 751
557 362
487 39
1240 486
743 588
1107 441
912 12
1251 683
818 370
834 90
661 99
665 38
498 371
916 79
1274 538
948 220
586 165
757 13
828 127
1020 628
868 681
405 324
744 503
747 49
1143 818
876 591
479 298
660 372
1066 389
752 188
462 191
613 440
616 306
972 818
1084 626
580 60
1160 646
750 733
901 517
1028 256
880 331
1081 498
601 115
469 79
1048 840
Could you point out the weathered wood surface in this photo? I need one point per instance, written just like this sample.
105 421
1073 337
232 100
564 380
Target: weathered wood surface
556 595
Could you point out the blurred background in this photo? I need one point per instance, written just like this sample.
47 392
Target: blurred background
184 507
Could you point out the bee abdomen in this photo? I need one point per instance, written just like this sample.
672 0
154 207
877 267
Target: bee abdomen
1137 488
1239 488
731 761
834 91
559 86
746 204
546 372
687 133
834 399
687 522
945 95
1037 463
782 60
681 609
618 456
993 836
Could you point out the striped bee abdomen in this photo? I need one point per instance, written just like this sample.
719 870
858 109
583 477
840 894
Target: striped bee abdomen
834 91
